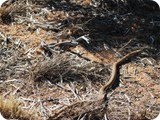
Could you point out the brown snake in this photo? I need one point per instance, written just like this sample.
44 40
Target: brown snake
97 104
113 77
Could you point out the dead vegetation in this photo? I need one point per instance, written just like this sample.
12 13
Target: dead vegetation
12 109
55 56
68 67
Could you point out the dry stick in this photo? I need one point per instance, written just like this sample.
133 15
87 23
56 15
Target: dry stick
126 45
43 110
73 90
87 107
72 43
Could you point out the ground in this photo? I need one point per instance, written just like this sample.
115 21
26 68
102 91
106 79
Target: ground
39 81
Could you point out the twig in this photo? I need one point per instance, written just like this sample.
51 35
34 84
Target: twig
60 85
125 45
46 27
66 44
79 55
105 117
149 61
43 111
74 90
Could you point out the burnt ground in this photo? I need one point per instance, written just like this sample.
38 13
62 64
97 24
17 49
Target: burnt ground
51 79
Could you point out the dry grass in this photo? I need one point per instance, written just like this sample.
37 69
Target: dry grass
67 67
10 108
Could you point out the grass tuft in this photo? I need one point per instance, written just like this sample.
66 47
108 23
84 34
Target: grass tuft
10 108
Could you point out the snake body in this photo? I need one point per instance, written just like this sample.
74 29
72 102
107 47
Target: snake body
96 105
113 77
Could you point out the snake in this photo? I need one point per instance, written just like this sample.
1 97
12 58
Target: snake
114 73
95 105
